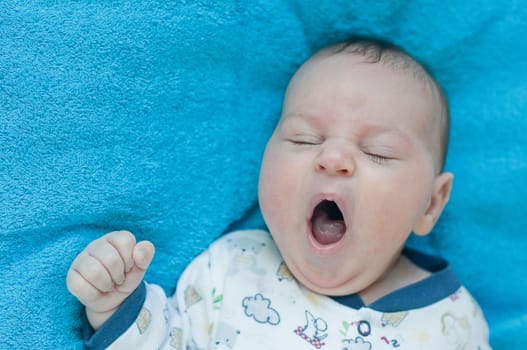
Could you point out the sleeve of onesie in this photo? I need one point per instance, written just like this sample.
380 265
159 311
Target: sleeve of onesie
148 319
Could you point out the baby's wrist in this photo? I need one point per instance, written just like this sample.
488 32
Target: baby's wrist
101 329
97 319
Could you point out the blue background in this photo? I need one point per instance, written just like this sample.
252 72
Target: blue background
152 116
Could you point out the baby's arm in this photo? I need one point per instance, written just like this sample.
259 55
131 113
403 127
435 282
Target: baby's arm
104 274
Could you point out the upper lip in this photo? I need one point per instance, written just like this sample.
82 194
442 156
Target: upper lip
318 198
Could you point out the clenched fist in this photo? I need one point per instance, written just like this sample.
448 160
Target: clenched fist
104 274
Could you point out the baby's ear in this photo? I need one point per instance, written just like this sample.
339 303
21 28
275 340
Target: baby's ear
439 199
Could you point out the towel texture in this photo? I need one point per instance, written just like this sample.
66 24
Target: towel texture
152 116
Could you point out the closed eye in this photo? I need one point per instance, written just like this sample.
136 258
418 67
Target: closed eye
304 140
376 158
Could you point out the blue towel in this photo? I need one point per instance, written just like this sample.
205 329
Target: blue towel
152 116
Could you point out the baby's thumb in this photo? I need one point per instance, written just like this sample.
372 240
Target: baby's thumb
143 254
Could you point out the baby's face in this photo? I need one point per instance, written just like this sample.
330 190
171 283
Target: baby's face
348 172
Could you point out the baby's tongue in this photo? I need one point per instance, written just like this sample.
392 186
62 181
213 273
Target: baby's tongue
326 230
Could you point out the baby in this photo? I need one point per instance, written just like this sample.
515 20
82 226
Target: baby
354 166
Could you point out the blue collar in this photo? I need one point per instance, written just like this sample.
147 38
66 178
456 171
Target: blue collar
440 284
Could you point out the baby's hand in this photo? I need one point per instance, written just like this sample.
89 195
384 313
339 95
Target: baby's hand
107 272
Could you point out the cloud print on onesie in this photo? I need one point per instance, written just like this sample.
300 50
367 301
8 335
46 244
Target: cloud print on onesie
259 308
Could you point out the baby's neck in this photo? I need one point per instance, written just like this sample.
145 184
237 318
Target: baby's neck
402 273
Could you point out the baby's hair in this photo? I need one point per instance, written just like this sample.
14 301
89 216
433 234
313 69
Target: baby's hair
375 50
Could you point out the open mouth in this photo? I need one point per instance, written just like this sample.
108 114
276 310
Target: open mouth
327 223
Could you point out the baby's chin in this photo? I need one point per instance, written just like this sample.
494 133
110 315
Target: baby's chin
331 291
336 286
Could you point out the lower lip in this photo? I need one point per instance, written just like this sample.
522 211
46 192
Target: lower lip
322 249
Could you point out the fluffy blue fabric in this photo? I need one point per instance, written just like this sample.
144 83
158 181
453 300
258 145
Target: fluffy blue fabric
152 116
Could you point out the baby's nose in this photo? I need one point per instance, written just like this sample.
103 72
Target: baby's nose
335 160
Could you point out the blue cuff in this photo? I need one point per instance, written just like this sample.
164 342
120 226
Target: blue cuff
117 324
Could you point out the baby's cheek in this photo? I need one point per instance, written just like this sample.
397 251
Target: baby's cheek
271 198
275 196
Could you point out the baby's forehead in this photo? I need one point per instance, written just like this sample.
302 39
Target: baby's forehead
329 64
436 120
397 61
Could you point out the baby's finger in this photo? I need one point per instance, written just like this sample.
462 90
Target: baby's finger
81 288
93 271
143 254
109 257
124 243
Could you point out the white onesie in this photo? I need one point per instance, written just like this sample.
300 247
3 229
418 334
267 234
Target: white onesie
239 294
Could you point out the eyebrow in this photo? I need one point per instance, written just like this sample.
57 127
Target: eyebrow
302 117
375 129
368 129
372 131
